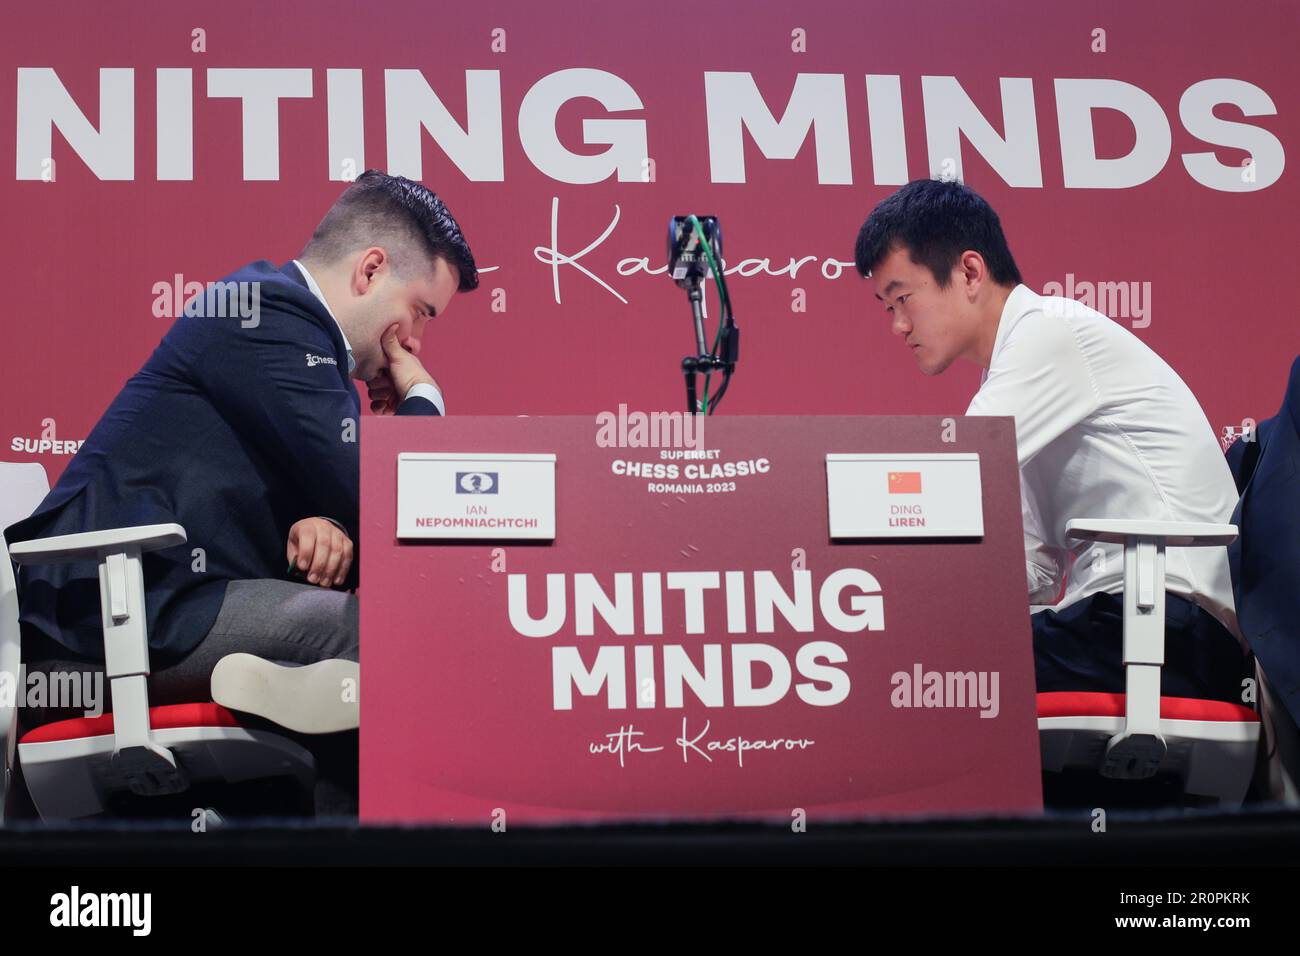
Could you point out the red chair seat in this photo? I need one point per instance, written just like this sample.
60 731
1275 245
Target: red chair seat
1080 704
160 718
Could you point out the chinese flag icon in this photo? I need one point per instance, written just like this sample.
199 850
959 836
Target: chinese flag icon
904 482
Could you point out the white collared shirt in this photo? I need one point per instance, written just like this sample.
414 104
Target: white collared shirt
1104 429
420 390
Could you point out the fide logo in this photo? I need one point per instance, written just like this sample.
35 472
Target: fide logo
476 483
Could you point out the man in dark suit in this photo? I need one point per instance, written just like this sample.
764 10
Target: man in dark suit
1265 560
242 427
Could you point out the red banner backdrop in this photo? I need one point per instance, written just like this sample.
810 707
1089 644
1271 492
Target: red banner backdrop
1136 154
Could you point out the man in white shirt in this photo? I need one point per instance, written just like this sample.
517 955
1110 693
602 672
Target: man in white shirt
1104 429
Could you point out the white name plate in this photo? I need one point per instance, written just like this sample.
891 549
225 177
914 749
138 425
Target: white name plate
475 496
905 496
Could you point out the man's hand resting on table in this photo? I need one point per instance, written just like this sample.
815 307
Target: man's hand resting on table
318 549
388 388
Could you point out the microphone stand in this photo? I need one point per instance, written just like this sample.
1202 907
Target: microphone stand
726 349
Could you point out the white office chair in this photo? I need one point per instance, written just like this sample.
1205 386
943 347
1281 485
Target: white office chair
73 768
1211 746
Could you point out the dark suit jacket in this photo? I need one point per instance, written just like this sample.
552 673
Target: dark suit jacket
1265 559
235 428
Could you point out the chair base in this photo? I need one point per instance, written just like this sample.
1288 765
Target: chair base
71 773
1213 760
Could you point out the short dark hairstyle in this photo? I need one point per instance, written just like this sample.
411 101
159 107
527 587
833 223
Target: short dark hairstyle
377 209
936 221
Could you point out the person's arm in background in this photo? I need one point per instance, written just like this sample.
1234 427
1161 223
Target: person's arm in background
1042 380
1243 454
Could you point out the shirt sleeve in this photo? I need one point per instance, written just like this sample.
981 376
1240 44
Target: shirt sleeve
428 392
1041 378
1043 565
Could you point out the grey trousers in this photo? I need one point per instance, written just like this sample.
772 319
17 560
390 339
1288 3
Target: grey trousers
278 620
281 621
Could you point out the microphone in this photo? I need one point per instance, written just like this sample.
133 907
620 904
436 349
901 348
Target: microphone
688 263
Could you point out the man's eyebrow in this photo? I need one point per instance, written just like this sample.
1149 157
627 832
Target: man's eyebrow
893 284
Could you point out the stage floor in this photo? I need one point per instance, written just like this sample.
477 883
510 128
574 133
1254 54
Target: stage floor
1259 835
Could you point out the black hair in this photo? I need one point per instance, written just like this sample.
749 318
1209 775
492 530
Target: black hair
936 221
379 208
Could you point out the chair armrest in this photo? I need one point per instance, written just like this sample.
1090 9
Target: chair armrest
145 764
1176 534
1137 751
94 545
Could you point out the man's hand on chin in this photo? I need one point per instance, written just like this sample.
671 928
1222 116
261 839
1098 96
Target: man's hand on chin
318 549
383 394
389 386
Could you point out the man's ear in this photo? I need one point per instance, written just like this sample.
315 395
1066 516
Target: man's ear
372 262
974 272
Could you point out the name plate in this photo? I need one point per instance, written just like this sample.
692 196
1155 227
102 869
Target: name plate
475 496
905 496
